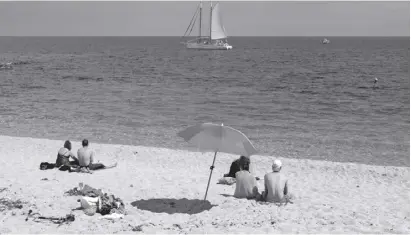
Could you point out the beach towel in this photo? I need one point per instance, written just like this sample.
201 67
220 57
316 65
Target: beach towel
227 181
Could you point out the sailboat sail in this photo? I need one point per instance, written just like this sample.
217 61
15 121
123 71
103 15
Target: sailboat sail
217 28
213 40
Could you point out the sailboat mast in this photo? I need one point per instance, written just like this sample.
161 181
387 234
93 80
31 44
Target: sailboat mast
201 11
211 17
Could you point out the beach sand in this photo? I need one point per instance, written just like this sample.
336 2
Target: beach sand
163 189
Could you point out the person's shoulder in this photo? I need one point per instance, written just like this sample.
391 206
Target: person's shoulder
63 151
239 173
269 175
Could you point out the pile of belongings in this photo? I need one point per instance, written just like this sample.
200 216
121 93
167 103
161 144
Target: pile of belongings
96 201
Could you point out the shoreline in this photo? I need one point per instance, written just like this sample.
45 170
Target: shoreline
188 149
163 188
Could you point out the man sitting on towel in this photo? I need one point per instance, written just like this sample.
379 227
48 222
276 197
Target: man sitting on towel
276 185
86 158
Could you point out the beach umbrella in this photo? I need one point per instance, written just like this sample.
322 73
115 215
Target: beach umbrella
217 138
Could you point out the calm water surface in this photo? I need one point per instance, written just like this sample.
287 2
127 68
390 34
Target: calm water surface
293 97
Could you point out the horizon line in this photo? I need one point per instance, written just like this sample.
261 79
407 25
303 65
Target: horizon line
311 36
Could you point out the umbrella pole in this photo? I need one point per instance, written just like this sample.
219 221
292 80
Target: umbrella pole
211 172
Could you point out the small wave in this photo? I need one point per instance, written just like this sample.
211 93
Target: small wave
327 72
273 88
41 68
368 87
213 102
83 78
9 65
21 63
363 87
29 87
5 66
318 77
80 78
308 92
356 94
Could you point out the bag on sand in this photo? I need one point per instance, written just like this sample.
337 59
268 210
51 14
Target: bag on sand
46 166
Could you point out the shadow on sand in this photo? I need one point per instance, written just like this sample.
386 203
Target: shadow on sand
171 206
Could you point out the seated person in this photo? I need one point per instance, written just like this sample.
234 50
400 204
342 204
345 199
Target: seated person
235 167
64 155
246 185
86 158
276 185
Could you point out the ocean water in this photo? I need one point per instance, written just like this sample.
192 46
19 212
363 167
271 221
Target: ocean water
292 96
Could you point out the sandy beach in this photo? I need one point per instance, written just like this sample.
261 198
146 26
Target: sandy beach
163 188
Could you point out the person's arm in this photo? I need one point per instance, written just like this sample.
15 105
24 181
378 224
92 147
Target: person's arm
265 188
73 156
286 187
92 157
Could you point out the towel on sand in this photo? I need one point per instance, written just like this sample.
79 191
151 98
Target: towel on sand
227 181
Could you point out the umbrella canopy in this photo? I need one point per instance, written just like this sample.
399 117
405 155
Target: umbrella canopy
218 138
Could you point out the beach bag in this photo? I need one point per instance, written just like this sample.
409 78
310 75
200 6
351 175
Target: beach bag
90 205
46 166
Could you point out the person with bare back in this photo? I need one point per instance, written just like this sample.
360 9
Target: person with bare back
86 158
276 185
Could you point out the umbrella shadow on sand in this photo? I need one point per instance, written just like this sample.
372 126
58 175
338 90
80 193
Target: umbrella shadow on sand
171 206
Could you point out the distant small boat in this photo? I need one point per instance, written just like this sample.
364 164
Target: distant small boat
325 41
217 40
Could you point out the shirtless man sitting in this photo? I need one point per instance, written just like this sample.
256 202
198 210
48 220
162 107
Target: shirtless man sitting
276 185
86 158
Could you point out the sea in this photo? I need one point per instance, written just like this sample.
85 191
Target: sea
294 97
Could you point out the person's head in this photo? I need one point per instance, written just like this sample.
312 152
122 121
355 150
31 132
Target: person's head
84 143
67 144
277 165
244 163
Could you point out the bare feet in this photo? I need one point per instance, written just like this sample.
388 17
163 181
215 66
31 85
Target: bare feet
111 166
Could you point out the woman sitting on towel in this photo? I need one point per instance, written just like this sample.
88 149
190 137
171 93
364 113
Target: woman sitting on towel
64 155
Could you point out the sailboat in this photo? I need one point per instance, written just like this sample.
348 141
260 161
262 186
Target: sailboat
217 38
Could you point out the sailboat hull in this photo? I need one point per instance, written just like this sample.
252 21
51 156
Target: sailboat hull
201 46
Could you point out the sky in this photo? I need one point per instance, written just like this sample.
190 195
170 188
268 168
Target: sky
350 18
